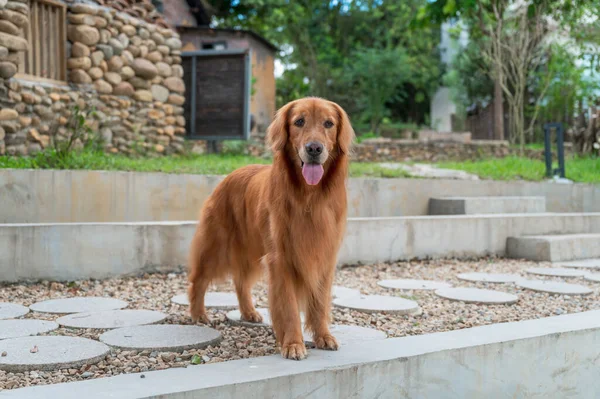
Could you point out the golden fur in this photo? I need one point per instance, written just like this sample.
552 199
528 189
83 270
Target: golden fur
269 215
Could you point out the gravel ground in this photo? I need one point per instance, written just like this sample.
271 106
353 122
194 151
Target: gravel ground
155 291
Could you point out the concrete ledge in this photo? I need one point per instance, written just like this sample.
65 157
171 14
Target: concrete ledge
554 248
54 196
486 205
100 250
555 357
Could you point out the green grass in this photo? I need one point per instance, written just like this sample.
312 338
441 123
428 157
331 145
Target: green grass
195 164
584 170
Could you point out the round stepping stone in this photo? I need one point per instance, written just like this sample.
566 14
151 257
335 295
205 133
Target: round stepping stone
235 317
556 271
215 300
489 277
583 263
50 353
337 291
12 310
476 295
111 319
378 303
347 335
25 327
408 284
161 337
78 305
593 277
554 287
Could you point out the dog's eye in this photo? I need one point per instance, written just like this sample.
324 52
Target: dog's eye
299 122
328 124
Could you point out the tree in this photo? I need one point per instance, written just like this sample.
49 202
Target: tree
379 75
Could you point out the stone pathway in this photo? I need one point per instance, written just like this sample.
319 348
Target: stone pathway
477 295
25 327
163 337
12 310
583 263
214 300
49 353
338 292
593 277
347 335
488 277
556 272
409 284
554 287
78 305
111 319
378 304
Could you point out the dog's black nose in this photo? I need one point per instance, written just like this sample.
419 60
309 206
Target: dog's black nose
314 149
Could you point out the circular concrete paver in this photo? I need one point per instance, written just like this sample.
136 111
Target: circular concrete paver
161 337
12 310
347 335
377 304
489 277
583 263
111 319
593 277
78 305
556 271
409 284
50 353
25 327
235 318
337 291
476 295
554 287
214 300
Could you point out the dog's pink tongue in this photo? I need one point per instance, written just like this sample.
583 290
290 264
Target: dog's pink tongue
312 173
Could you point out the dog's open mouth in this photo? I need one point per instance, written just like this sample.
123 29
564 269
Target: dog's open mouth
312 172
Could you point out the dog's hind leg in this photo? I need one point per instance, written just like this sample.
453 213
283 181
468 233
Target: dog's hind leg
244 279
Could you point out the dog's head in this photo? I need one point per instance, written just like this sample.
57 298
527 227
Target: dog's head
312 132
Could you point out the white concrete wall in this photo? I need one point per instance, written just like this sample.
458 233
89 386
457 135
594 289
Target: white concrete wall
555 357
442 109
80 251
44 196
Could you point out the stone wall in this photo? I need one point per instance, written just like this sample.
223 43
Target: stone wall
126 69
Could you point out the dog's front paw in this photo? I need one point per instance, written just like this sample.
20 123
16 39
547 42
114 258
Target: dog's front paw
200 318
294 351
327 342
252 316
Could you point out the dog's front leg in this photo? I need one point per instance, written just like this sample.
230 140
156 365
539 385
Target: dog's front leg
285 314
319 310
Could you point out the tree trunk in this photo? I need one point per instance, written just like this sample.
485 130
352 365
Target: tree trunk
498 111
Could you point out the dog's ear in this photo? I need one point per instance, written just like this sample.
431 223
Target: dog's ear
277 133
345 133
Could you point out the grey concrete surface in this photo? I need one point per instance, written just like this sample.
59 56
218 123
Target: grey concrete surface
378 304
555 287
78 305
477 295
162 337
50 353
555 357
25 327
112 319
486 205
489 277
12 310
556 271
555 247
52 196
100 250
410 284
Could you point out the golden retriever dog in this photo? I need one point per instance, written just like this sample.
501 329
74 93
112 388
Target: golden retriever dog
290 217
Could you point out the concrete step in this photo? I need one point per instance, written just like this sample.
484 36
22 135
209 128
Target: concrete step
486 205
554 248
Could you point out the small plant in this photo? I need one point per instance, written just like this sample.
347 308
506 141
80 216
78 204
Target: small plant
65 142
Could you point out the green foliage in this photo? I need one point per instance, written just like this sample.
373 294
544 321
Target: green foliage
321 39
379 76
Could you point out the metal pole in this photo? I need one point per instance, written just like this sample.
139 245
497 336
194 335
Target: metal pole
561 150
548 150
